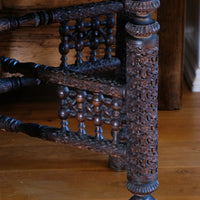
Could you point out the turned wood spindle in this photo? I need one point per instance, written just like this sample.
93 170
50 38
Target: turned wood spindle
16 82
109 38
64 45
116 121
116 163
80 27
80 98
97 101
94 41
63 111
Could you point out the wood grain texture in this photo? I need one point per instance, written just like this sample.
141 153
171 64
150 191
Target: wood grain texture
44 42
35 4
171 18
35 169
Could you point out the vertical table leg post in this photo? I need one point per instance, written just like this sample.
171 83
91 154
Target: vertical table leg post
141 98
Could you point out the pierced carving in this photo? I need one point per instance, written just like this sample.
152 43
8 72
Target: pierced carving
134 125
141 100
89 105
142 89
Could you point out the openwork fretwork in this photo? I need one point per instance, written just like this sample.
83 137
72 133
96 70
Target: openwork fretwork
116 89
89 32
93 107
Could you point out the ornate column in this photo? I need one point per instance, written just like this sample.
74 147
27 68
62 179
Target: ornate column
141 91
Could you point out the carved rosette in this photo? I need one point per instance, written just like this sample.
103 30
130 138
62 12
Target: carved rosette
141 100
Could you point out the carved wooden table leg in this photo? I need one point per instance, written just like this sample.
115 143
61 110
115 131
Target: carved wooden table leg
142 89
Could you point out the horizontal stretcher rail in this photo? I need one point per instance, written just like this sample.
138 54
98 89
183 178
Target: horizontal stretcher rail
71 138
16 82
59 15
64 77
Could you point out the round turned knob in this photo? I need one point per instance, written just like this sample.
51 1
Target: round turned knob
115 124
117 104
97 100
63 113
110 40
80 26
64 29
81 117
97 120
63 92
80 98
64 48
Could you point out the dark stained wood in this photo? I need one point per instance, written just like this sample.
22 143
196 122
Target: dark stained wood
45 44
141 99
57 15
70 138
96 98
63 77
36 169
16 82
171 18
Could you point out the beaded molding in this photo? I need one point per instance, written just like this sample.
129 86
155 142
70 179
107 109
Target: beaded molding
142 8
142 31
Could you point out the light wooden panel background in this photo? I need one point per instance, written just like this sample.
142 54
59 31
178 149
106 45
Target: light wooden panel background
42 4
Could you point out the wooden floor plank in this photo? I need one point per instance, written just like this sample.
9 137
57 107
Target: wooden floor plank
32 169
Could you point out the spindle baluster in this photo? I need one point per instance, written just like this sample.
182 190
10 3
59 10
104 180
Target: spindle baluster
97 102
94 41
63 111
64 45
80 27
80 98
109 38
